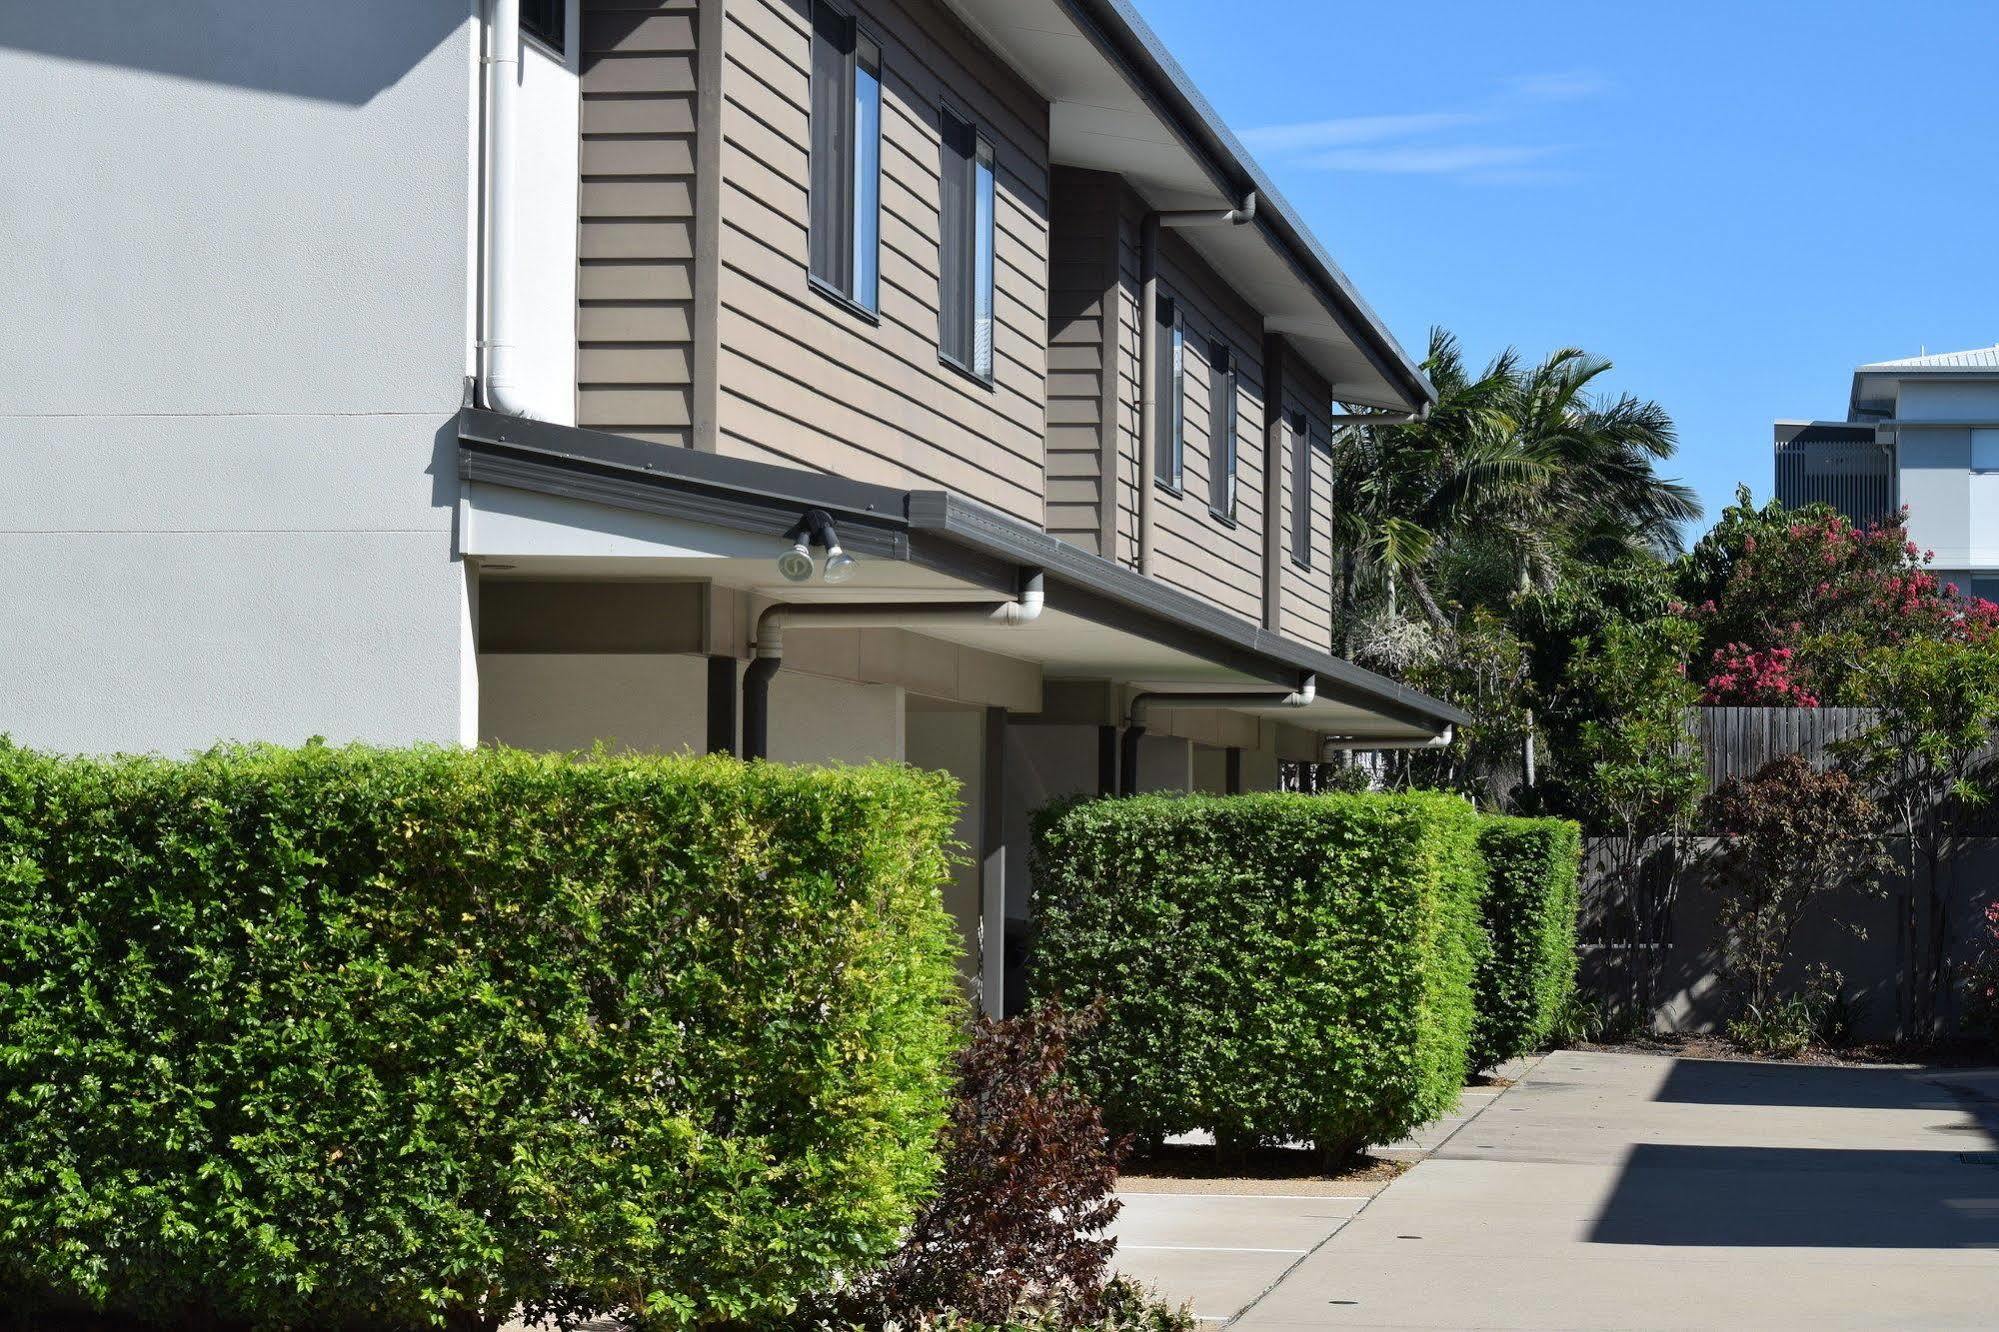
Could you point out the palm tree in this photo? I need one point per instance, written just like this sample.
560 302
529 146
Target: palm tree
1512 473
1405 489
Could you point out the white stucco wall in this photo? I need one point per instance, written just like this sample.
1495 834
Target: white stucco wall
649 703
1953 510
1936 485
1958 400
236 262
814 719
550 107
953 741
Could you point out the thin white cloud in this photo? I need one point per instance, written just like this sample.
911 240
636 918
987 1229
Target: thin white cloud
1421 142
1285 140
1430 159
1566 86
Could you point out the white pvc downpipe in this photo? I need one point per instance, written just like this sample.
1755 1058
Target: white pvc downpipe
1342 744
498 385
769 645
1144 701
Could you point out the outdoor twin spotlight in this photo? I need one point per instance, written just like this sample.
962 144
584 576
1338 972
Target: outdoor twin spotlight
815 529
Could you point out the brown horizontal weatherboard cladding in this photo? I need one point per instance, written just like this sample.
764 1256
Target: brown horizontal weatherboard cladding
1082 315
1306 595
805 381
636 245
1194 550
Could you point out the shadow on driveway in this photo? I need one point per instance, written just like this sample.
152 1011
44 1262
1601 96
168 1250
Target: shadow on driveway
1760 1197
1810 1196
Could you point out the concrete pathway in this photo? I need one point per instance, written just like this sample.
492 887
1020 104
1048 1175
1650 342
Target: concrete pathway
1636 1191
1219 1245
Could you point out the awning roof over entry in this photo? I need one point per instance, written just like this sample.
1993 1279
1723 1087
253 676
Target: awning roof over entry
602 505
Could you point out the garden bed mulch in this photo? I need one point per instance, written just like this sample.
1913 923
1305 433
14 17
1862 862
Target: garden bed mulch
1263 1170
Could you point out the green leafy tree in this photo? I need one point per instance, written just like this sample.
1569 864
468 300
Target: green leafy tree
1936 703
1807 594
1786 839
1514 471
1637 772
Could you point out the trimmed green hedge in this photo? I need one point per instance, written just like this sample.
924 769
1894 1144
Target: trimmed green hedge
1530 919
1271 966
354 1037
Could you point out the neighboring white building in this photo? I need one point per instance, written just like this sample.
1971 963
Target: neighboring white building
1922 432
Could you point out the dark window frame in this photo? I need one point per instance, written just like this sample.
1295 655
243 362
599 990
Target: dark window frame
843 174
1169 416
967 241
1224 434
1300 427
547 21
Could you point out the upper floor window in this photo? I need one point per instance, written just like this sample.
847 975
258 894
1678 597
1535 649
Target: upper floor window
1985 450
1301 490
1170 412
1222 460
845 217
965 247
547 21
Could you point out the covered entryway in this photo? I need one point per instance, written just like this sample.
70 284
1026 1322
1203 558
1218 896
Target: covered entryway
666 600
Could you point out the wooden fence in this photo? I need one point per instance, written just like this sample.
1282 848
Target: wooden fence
1737 741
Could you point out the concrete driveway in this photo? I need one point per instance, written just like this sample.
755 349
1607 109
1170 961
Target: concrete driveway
1637 1191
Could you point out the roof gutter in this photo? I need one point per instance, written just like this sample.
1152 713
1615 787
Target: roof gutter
941 531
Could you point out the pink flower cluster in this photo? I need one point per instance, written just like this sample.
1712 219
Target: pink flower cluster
1742 676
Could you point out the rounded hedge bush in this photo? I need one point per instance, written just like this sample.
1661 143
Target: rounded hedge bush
1271 967
1529 968
356 1037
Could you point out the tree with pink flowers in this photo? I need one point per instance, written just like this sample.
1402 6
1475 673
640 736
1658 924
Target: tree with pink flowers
1791 601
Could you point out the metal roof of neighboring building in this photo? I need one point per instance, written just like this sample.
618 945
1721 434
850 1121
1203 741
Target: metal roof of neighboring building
1978 358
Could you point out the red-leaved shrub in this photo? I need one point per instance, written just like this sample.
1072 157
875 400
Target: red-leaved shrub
1025 1202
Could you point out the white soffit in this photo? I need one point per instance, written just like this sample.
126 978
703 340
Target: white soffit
1100 121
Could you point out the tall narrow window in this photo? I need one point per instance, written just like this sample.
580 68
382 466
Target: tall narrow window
965 247
547 21
1170 410
846 157
1301 490
1221 431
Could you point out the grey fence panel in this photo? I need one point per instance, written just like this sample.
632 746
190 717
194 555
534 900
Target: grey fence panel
1737 741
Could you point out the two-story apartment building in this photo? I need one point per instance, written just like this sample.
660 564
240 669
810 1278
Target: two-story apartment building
933 380
1923 432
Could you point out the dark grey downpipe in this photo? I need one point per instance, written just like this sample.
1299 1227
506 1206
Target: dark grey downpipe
768 646
1148 347
1134 731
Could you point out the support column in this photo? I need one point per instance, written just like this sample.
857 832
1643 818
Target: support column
1232 771
721 705
992 867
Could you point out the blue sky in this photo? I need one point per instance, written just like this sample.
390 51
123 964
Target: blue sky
1736 203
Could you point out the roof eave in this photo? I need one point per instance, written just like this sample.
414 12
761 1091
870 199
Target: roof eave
1118 26
936 528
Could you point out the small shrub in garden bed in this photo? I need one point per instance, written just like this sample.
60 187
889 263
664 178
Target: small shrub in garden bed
1270 966
1529 967
341 1038
1127 1308
1019 1225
